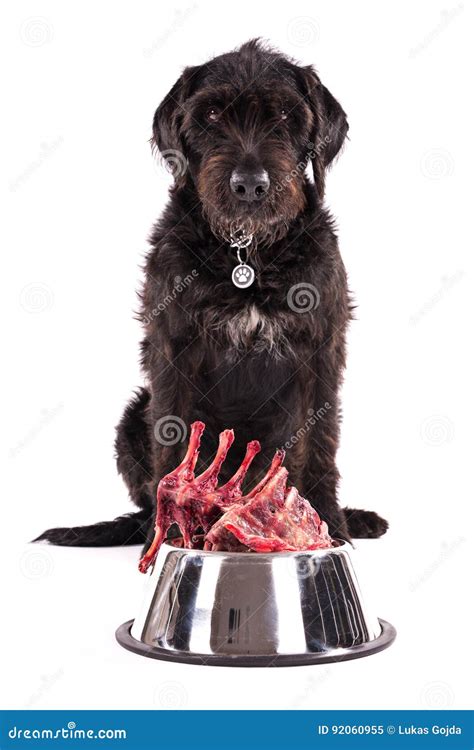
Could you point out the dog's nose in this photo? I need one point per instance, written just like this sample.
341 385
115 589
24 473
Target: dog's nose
249 186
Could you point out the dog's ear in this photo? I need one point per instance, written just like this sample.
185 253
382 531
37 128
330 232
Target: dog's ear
333 125
167 122
330 125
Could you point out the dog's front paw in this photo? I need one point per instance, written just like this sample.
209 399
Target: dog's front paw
365 524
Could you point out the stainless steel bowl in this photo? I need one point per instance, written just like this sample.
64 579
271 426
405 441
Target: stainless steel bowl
249 609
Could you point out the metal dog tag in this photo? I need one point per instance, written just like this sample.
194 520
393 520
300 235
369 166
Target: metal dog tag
243 276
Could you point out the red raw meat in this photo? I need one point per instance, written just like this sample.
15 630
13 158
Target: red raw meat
270 517
277 519
195 502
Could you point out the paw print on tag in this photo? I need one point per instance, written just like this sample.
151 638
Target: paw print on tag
243 276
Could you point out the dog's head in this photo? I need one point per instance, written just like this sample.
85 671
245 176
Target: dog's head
243 127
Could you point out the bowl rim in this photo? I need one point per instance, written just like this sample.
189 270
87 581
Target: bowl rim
341 546
387 636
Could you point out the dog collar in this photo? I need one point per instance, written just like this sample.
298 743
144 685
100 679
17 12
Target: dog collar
243 275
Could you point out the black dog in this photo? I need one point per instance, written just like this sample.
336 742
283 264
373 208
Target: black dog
266 359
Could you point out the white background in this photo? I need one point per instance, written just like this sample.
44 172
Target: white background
80 191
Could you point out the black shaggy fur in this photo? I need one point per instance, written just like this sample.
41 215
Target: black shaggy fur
266 360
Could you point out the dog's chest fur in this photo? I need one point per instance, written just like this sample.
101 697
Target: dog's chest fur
256 321
254 392
250 329
248 371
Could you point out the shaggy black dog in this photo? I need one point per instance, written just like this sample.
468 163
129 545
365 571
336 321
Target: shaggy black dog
266 359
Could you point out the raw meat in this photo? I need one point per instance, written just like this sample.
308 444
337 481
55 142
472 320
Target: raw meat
269 518
276 520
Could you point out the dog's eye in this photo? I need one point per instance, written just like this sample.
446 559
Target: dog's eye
283 113
213 114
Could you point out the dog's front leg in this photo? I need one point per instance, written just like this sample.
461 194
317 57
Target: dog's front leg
173 396
173 368
312 457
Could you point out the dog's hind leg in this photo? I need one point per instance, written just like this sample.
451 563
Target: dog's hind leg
133 452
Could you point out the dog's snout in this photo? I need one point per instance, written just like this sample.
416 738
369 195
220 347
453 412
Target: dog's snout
249 186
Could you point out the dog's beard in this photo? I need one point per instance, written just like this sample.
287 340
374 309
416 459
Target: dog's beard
266 223
264 232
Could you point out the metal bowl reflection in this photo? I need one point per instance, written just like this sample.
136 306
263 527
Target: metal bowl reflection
248 609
